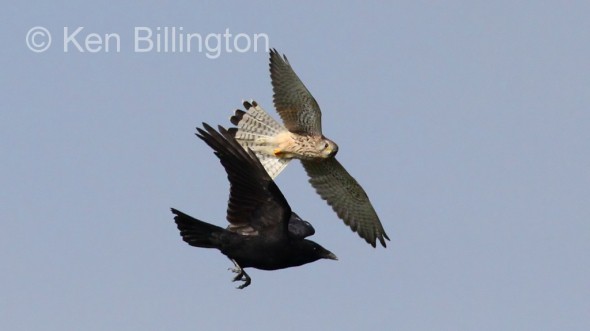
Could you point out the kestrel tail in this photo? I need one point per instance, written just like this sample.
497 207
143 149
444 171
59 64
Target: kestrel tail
257 130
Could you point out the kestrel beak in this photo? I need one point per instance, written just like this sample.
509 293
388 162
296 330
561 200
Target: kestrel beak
333 149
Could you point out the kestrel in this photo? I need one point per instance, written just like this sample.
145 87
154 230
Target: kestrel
301 138
263 232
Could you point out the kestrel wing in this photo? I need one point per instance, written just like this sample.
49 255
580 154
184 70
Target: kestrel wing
297 107
348 199
255 202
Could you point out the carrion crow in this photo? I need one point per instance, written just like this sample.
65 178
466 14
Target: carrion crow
263 232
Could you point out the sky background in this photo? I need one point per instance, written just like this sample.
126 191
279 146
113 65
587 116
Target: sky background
467 123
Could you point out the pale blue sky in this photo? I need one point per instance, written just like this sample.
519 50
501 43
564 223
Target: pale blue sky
468 124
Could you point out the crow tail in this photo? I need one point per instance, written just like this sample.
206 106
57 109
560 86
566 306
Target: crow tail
197 233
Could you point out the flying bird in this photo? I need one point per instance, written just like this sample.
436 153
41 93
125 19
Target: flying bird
301 138
263 232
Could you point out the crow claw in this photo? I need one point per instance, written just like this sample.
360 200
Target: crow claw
241 275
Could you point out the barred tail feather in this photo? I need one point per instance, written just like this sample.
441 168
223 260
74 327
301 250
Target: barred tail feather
254 128
272 165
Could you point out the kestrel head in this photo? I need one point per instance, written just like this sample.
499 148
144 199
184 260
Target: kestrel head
327 148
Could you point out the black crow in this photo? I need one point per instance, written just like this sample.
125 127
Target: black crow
263 232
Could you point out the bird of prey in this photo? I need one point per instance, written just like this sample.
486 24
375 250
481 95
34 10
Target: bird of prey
263 232
301 138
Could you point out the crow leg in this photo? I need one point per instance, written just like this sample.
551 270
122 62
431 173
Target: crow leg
241 275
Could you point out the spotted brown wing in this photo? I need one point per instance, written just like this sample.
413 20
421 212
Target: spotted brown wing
294 103
348 199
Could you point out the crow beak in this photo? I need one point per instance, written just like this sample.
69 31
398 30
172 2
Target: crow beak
331 256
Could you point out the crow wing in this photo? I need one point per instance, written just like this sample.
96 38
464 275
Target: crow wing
256 205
